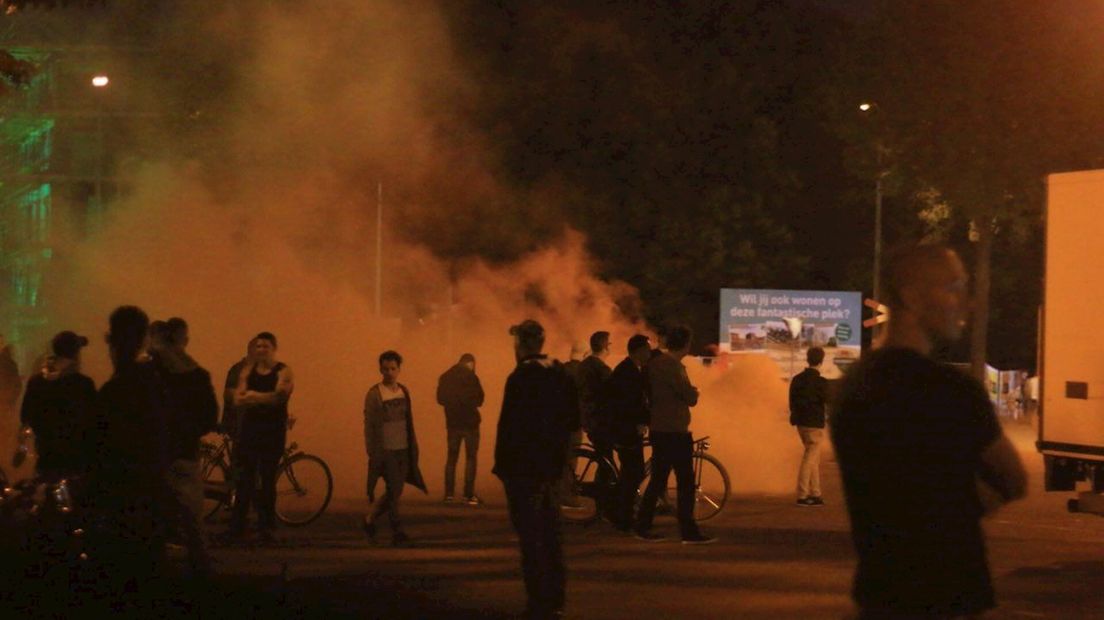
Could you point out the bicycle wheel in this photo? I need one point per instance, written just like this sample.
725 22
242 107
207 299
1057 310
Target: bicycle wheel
304 487
217 485
712 489
593 482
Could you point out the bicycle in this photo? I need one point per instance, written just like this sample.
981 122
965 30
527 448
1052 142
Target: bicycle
304 484
711 484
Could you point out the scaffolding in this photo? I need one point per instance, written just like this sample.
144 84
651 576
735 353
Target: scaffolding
26 205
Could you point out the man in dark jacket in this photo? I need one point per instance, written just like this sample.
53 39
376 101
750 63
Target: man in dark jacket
193 412
461 394
622 422
808 398
540 410
672 395
391 445
59 407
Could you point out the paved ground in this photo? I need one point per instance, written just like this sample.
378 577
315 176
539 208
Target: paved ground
775 560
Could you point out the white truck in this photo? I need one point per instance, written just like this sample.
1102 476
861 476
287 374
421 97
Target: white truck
1071 364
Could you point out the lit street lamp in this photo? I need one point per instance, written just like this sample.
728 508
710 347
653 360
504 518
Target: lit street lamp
99 82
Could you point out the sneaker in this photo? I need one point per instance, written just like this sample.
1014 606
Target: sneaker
400 539
473 500
699 539
804 501
649 536
571 504
814 501
450 499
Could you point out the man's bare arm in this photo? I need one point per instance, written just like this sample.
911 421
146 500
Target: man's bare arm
1003 472
241 391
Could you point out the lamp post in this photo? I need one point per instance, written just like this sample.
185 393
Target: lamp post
868 108
99 82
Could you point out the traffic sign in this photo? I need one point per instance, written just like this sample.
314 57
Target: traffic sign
881 313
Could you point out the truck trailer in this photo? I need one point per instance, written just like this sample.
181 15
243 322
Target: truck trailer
1071 361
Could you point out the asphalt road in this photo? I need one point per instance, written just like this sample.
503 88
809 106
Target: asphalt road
774 560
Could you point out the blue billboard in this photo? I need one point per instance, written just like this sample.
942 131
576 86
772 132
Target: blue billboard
784 324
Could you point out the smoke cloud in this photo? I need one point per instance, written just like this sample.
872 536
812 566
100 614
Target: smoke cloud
269 224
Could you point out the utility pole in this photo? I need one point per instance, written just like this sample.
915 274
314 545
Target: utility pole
379 248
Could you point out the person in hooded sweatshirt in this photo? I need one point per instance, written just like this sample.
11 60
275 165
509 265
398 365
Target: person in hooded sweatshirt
193 412
58 407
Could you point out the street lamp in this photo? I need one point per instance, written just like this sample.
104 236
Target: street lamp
100 81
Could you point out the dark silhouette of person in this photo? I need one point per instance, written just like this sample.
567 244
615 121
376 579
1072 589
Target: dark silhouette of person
264 388
59 407
540 411
916 442
193 411
622 423
461 394
128 494
11 385
391 445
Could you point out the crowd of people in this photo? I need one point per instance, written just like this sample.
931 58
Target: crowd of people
915 440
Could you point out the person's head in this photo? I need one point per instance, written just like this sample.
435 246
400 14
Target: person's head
468 361
127 334
640 349
158 335
264 348
678 340
926 288
599 343
528 338
67 345
176 329
390 363
814 356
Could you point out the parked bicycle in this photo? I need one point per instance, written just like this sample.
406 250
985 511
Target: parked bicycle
596 479
304 485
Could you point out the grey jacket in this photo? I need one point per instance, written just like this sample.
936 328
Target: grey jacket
373 441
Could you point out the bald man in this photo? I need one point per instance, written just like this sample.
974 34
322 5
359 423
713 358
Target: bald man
919 447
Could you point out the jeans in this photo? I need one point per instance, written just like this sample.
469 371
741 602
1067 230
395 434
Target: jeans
260 446
631 457
808 476
671 451
470 438
396 464
604 478
567 484
187 490
535 514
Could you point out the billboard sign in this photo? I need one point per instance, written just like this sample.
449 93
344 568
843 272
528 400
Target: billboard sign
784 324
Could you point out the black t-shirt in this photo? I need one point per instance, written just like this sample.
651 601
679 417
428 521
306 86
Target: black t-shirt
908 434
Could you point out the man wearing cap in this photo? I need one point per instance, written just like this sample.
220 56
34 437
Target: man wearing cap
540 410
461 394
59 407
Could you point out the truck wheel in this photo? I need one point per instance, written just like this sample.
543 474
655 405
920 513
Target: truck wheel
1073 505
